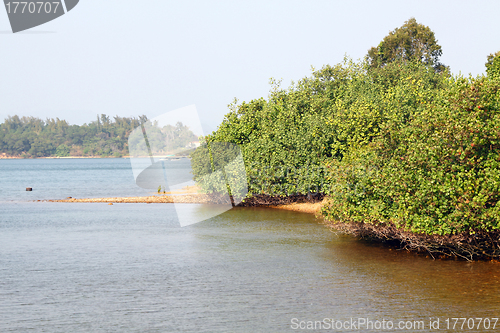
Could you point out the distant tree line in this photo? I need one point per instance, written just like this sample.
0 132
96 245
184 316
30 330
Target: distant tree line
167 139
34 137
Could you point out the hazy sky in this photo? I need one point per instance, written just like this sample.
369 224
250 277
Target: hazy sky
127 58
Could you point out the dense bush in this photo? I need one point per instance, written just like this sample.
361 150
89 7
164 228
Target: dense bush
439 174
289 139
398 146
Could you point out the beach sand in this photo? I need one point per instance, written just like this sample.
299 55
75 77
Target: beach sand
311 208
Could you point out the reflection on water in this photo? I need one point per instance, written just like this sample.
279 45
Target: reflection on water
444 287
132 268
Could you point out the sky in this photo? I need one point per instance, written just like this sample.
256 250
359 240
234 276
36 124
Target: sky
130 58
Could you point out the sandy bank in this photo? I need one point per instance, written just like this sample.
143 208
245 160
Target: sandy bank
303 207
188 198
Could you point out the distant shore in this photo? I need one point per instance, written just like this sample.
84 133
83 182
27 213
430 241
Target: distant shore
5 157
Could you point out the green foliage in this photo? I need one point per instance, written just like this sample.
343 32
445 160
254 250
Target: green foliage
411 42
62 150
438 175
33 137
399 145
493 65
218 167
162 140
288 140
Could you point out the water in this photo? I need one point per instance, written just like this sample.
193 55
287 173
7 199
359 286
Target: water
131 268
61 178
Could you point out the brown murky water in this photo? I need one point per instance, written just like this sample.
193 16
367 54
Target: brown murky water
131 268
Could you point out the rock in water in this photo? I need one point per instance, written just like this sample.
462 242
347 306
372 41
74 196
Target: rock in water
29 189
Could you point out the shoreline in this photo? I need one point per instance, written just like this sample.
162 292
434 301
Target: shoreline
56 157
302 207
186 198
5 157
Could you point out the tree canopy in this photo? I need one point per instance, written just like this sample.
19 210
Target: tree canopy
411 42
402 147
493 65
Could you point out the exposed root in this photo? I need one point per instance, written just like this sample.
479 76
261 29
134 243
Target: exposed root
467 246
